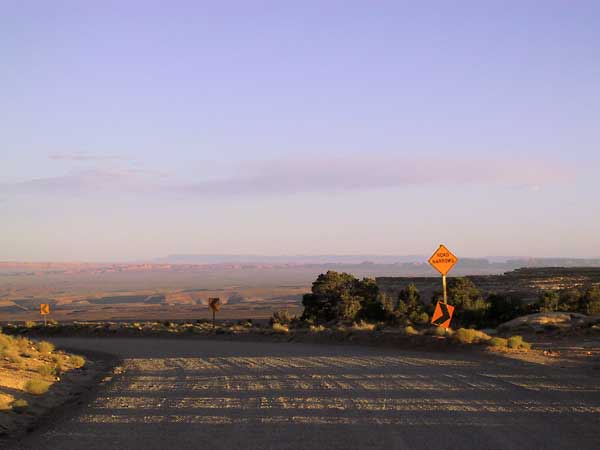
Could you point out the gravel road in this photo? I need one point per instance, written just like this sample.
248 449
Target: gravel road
209 394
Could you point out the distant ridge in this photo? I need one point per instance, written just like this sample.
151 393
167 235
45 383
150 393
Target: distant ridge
288 259
501 262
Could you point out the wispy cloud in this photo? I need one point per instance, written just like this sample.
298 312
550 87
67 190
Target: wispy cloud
314 173
81 156
309 173
89 181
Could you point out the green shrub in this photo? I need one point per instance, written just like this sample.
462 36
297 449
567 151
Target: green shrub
498 342
342 296
422 318
409 307
590 301
465 296
19 406
30 324
45 347
77 361
37 387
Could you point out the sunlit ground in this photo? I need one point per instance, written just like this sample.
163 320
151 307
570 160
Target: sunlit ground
381 390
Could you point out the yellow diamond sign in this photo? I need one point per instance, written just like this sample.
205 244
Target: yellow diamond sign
443 260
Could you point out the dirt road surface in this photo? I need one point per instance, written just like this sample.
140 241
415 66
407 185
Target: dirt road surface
209 394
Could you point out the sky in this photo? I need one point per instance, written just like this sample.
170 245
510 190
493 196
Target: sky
131 130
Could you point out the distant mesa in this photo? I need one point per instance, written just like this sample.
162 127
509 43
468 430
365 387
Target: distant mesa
288 259
235 299
368 265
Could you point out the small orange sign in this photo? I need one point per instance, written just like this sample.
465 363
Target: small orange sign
44 309
214 304
443 260
442 315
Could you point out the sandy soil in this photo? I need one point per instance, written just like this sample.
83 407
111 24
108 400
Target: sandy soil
247 395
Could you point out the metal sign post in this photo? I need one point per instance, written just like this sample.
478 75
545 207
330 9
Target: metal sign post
443 260
444 287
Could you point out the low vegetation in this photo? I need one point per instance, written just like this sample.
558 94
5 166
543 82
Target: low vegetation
363 326
410 331
77 361
498 342
582 300
28 370
336 297
37 387
280 328
44 347
338 306
317 328
517 342
470 336
19 406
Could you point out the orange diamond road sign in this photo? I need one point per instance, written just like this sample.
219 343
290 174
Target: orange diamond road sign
44 309
442 315
443 260
214 304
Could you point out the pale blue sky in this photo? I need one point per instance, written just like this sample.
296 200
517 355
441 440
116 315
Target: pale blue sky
131 130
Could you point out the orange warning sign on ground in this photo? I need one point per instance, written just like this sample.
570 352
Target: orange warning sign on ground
442 315
44 309
443 260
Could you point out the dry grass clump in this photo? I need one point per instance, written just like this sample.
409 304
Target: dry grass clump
77 361
498 342
471 336
44 347
23 345
280 328
6 341
410 331
514 342
11 354
440 331
37 387
518 342
363 326
282 317
5 402
19 406
46 370
316 328
11 349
